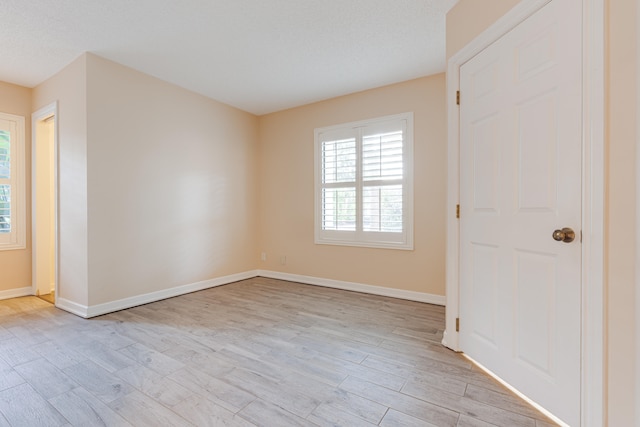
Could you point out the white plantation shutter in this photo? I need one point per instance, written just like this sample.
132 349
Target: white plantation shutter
364 183
339 161
5 208
382 208
382 173
339 179
5 179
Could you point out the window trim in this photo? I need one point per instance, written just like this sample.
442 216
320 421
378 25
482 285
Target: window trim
17 238
360 238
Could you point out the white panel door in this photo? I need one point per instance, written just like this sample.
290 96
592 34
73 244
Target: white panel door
520 179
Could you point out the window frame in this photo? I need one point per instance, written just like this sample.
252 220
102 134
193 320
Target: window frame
17 238
359 238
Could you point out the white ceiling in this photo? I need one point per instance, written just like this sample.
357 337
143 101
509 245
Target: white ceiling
258 55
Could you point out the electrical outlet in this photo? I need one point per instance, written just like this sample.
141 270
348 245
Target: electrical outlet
283 259
263 257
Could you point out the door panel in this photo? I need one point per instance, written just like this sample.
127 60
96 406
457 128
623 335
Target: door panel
537 148
520 179
486 162
535 288
484 292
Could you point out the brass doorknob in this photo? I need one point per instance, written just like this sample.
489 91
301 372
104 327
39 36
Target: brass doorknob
565 235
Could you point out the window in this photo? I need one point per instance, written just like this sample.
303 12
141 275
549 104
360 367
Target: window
363 181
12 194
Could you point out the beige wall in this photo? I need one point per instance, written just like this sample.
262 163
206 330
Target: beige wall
171 185
69 88
622 112
15 265
468 18
464 22
157 185
287 190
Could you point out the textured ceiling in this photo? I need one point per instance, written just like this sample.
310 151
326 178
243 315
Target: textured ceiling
258 55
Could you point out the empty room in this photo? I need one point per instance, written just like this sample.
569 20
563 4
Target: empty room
320 213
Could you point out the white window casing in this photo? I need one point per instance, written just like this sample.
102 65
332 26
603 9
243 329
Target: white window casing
364 183
12 182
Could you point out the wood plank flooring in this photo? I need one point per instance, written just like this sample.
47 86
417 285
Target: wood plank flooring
259 352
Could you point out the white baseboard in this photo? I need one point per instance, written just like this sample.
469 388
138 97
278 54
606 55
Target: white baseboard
110 307
15 293
121 304
72 307
356 287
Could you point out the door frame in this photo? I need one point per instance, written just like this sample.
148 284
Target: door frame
637 278
44 113
593 163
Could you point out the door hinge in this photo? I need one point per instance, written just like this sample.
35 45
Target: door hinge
457 211
457 97
457 324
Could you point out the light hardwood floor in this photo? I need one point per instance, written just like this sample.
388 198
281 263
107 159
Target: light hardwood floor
258 352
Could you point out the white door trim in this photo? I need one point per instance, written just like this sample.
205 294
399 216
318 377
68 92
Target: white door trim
637 279
42 114
593 321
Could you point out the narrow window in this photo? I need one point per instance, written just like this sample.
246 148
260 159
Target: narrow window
12 191
364 183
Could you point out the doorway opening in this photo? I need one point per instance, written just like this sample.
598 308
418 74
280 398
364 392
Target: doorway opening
44 203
